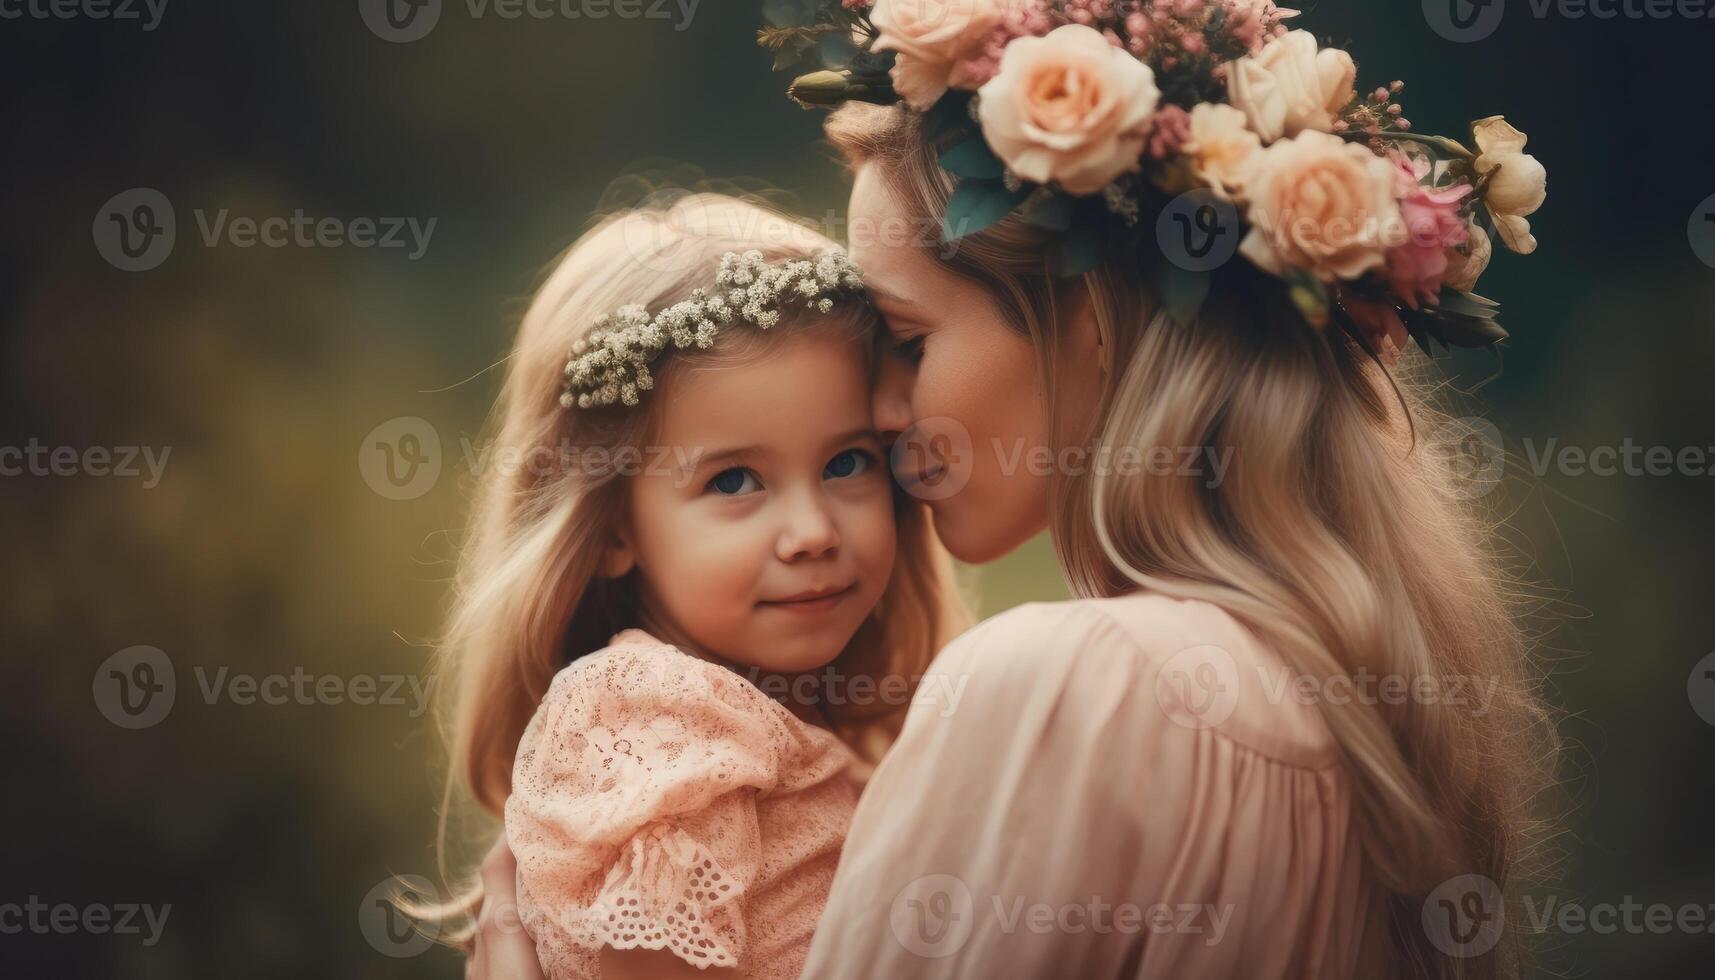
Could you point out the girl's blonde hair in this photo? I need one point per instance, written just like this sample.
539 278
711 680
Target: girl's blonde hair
1333 535
528 595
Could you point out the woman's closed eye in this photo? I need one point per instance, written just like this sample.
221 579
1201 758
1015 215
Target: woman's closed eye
907 349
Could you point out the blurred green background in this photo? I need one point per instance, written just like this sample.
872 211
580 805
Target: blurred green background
264 550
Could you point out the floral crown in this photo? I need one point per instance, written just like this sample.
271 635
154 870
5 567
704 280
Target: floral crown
1090 118
611 363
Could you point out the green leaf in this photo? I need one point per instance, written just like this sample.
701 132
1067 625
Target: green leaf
1469 331
1079 251
949 115
789 13
1309 295
1182 291
975 205
1050 210
837 51
1469 304
973 158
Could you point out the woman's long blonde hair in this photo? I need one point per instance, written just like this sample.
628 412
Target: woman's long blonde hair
1333 535
528 595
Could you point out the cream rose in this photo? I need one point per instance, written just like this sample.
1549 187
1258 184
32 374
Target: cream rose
1222 148
1322 204
1518 189
1068 107
1290 86
1464 270
931 36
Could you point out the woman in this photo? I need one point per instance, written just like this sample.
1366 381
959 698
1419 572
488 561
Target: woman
1239 752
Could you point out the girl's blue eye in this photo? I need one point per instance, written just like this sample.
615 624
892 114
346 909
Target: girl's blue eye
734 481
849 463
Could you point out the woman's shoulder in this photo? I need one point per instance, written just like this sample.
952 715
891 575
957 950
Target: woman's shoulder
1202 669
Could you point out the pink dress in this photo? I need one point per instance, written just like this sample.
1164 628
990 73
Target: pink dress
664 802
1102 788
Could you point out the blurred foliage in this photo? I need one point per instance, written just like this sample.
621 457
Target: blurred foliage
264 551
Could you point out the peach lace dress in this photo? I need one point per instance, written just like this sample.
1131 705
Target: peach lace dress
662 801
1104 788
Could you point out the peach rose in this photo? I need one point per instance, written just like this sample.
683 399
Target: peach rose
1069 107
1518 189
1322 204
1290 86
931 37
1222 148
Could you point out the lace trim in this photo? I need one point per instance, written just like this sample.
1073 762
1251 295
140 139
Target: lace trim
666 891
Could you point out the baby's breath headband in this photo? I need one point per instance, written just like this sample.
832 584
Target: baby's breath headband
612 363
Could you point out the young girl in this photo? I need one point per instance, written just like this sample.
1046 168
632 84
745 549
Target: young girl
640 629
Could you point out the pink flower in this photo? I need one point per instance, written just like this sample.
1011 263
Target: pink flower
931 38
1069 107
1430 215
1169 129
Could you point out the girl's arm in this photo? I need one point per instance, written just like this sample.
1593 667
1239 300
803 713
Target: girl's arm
501 949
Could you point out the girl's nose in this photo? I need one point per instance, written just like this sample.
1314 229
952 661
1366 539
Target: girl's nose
810 531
